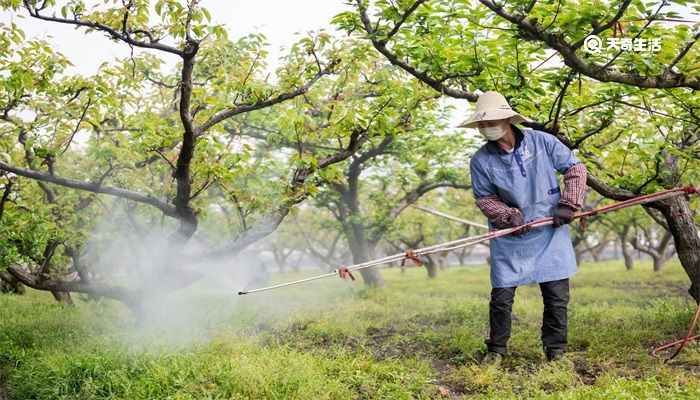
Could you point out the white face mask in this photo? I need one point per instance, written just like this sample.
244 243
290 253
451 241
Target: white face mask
492 132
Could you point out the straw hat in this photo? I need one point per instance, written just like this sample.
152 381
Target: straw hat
492 106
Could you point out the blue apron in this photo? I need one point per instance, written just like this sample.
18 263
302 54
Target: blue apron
526 179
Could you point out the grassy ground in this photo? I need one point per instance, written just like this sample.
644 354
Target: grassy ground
333 339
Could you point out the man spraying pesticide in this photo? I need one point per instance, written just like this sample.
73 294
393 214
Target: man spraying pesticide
515 185
514 180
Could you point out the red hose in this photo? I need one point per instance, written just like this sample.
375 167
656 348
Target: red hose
682 342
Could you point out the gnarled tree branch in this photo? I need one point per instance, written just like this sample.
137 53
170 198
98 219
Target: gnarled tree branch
123 35
166 208
593 70
380 45
215 119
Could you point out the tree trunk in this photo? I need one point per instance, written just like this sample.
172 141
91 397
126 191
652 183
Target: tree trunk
371 277
629 260
685 235
577 243
442 260
662 250
63 297
280 257
626 254
597 250
361 253
431 266
462 256
659 263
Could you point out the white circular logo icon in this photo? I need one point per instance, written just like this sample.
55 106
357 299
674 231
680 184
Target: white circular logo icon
592 44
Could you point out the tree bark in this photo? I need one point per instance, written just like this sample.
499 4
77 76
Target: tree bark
578 254
281 255
629 260
431 265
462 256
10 284
45 270
63 297
597 250
126 296
659 263
443 261
361 253
685 235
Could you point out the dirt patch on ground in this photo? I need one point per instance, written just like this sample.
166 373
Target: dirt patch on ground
4 391
383 343
447 388
588 372
658 288
391 342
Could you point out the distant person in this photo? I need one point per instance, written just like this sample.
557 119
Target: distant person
514 180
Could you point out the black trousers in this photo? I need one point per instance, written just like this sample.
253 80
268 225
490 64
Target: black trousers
555 296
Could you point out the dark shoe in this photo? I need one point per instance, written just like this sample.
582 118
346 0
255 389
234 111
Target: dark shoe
560 358
492 359
551 354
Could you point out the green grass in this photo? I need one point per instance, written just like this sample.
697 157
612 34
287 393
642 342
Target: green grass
336 340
